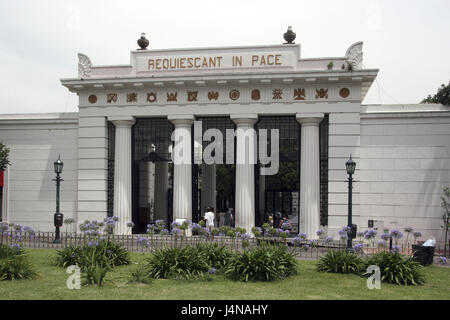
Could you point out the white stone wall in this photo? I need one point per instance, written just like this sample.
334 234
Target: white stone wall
93 167
404 165
35 141
344 140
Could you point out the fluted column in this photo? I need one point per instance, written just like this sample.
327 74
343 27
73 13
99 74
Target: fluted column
208 186
245 174
310 174
122 173
182 158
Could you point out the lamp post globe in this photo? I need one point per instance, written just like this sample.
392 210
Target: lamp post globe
58 216
350 165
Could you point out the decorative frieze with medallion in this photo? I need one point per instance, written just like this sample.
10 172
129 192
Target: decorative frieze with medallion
225 95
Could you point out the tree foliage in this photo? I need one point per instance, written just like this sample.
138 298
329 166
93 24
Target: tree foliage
442 96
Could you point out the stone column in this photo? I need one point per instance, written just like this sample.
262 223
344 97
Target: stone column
245 174
122 173
182 158
310 174
161 186
208 186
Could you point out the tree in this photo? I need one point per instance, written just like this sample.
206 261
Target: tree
442 96
4 161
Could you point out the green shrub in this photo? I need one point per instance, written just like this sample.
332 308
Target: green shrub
95 273
266 263
16 267
187 262
396 268
8 251
68 256
103 253
140 275
339 262
217 255
116 253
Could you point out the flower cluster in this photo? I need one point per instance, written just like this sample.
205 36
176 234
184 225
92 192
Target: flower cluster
385 236
417 234
143 242
396 234
93 244
320 232
442 260
130 224
370 234
358 247
343 233
329 240
408 229
246 236
396 249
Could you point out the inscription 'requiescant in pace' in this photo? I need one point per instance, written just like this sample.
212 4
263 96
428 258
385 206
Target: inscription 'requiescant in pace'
214 62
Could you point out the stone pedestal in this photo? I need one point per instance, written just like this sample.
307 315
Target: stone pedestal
310 174
245 174
122 173
182 158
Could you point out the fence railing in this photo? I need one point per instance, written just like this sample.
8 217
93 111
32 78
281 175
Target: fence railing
147 243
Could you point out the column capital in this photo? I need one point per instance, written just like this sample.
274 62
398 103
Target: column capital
309 118
122 121
181 120
247 119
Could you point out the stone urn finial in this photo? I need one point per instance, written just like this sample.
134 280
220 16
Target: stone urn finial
143 42
289 36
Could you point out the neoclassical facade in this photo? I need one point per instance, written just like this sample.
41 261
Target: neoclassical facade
136 147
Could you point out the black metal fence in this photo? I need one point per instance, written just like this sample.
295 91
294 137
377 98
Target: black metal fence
146 243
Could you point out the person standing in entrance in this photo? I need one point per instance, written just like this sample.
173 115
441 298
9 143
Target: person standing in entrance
209 216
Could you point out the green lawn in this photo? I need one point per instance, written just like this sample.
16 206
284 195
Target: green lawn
308 284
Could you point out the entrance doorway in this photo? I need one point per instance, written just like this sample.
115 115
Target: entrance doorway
214 183
152 172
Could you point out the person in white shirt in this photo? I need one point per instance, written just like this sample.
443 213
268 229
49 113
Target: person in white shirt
209 216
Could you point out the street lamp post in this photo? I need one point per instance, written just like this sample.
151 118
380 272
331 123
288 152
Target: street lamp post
58 217
350 165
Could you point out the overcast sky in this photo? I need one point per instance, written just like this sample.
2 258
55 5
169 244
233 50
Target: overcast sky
39 40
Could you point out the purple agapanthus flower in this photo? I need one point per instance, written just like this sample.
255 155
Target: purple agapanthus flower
212 271
442 260
302 236
408 229
15 246
396 249
396 234
319 232
370 234
92 243
385 236
245 236
329 239
130 224
358 247
381 243
417 234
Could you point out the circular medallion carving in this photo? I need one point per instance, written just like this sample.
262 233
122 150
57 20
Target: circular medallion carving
92 98
256 94
234 94
344 92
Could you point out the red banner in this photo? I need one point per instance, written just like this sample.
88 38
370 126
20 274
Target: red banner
1 178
